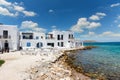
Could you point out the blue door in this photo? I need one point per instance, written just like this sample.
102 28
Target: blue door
39 45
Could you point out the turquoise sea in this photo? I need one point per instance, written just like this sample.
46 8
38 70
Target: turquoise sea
104 60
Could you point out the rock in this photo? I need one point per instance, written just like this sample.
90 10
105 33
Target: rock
67 78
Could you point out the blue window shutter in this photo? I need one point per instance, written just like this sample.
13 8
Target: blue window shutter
28 44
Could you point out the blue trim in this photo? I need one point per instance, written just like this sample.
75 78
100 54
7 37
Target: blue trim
37 37
28 44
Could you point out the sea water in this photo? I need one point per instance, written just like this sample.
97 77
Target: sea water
104 60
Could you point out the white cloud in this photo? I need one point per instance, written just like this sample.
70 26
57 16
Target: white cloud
83 23
117 20
94 25
77 28
106 34
4 2
118 17
91 33
51 11
22 10
115 5
109 34
19 8
101 14
119 25
53 26
94 17
97 16
39 29
29 13
14 9
5 12
30 25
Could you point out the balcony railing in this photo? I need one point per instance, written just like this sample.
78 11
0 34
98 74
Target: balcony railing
5 37
72 38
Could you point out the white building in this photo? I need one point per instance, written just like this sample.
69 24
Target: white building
29 39
60 39
55 39
9 37
12 39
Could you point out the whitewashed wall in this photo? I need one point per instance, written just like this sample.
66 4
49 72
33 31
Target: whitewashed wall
13 32
34 41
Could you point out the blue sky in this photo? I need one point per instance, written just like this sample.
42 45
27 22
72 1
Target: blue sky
90 19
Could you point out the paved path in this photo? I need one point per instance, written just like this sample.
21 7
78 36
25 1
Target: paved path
16 64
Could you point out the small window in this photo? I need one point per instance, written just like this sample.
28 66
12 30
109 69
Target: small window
69 36
58 37
61 37
31 36
37 37
62 44
50 44
58 44
5 34
41 37
72 36
28 44
41 44
23 37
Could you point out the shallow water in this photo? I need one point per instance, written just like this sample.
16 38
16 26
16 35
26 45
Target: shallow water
104 60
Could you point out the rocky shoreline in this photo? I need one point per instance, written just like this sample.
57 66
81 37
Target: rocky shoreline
48 65
55 70
69 60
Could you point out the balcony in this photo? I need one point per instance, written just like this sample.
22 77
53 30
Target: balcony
4 37
71 39
49 37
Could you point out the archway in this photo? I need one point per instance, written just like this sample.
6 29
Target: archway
39 45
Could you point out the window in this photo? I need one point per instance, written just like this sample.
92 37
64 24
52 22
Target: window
41 37
61 37
58 44
23 37
5 34
27 35
51 36
72 36
69 36
6 44
62 44
50 44
58 37
37 37
39 45
31 37
28 44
